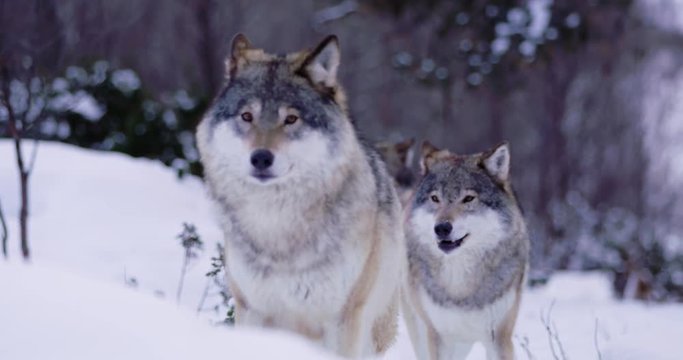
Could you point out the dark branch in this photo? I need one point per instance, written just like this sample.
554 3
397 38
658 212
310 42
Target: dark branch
5 235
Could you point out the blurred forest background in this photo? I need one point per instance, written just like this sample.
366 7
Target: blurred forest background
587 92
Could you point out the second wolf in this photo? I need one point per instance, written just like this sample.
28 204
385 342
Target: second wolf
468 251
399 159
310 216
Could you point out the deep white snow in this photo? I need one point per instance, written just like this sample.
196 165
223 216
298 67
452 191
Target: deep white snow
99 218
50 313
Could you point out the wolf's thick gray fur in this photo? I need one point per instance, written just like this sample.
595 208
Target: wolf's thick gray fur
313 237
468 251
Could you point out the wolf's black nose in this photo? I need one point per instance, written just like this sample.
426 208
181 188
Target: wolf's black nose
262 159
443 229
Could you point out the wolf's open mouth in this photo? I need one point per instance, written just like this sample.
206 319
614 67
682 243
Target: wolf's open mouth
450 245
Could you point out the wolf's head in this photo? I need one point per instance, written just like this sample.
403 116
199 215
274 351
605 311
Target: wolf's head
463 200
278 117
398 158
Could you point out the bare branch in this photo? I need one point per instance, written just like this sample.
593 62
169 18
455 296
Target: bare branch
595 340
205 294
550 336
5 234
34 153
553 334
559 343
11 116
524 343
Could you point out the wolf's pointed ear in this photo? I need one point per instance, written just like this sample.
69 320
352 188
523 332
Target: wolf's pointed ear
404 150
430 155
240 44
322 63
405 145
497 161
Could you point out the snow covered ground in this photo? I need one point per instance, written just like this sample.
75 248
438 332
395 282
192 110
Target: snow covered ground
100 219
52 313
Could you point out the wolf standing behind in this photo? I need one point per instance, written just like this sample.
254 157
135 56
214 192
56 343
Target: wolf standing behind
399 160
311 219
468 251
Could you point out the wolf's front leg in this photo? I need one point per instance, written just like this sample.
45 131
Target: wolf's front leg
453 350
244 314
421 334
501 349
250 317
425 339
352 332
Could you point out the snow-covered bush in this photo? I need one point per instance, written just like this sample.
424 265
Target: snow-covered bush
645 261
103 108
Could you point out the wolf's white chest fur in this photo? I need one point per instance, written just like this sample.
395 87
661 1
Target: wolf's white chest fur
318 293
304 290
306 287
466 324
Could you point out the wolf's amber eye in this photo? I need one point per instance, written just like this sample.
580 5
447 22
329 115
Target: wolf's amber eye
468 198
247 116
291 119
435 198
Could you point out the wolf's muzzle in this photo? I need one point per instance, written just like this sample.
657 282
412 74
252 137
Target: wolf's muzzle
443 229
262 159
443 233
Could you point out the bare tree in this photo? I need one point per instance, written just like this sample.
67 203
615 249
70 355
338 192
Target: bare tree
24 104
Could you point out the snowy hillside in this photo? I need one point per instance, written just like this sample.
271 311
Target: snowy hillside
49 313
101 219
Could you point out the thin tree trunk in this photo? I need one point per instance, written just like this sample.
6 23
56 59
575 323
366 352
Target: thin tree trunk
4 233
21 166
23 183
23 214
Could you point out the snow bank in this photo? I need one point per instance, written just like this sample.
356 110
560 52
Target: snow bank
48 313
109 216
587 319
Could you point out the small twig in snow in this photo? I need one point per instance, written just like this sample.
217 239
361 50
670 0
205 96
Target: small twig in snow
3 224
553 334
192 244
524 343
595 340
205 294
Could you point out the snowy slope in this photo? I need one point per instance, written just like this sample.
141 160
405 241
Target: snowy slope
49 313
97 215
108 215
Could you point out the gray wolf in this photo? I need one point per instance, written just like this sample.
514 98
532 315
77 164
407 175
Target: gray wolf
468 251
398 157
312 224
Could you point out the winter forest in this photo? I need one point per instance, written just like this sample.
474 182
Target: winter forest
111 246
